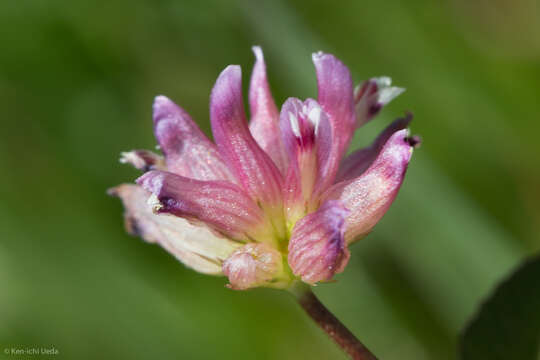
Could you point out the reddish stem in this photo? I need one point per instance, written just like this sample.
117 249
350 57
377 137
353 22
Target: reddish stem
333 327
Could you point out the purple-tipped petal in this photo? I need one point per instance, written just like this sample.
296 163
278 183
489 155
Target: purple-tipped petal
317 249
307 137
369 196
253 265
371 96
196 246
143 160
303 125
187 150
359 161
264 124
335 94
219 204
253 168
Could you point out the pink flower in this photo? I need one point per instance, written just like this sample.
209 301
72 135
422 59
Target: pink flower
276 201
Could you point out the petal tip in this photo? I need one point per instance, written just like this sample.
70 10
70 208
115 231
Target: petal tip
321 56
163 107
257 50
230 71
318 56
151 181
113 192
229 80
415 141
161 101
142 160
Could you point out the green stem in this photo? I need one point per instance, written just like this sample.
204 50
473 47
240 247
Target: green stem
330 324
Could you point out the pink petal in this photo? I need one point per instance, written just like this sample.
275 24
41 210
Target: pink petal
187 150
371 96
307 137
143 160
253 168
317 249
335 94
359 161
196 246
369 196
264 124
254 265
219 204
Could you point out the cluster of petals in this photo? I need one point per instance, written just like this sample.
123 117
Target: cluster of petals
275 200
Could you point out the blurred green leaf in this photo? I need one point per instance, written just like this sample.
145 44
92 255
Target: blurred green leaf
508 323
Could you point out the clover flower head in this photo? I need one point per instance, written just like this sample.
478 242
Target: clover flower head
274 201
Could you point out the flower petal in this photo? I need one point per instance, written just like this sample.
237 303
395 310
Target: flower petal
254 265
369 196
143 160
219 204
264 124
252 167
307 137
359 161
335 94
187 150
196 246
317 249
372 95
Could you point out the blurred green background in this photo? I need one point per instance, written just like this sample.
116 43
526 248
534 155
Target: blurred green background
77 80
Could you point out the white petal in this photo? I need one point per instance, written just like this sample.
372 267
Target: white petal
195 246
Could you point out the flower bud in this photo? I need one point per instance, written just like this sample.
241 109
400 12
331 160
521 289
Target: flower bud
254 265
